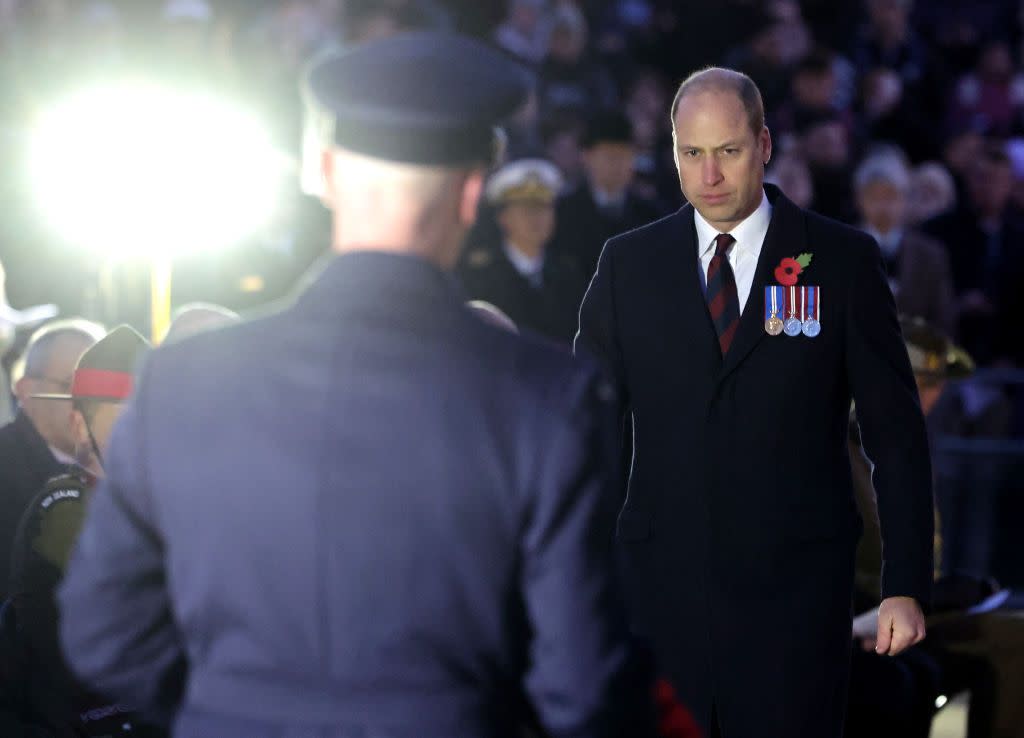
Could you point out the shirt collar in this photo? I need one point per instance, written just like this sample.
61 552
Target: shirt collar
63 458
890 242
525 265
750 230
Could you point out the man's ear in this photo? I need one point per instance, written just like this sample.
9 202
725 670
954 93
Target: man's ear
22 389
472 191
328 165
79 430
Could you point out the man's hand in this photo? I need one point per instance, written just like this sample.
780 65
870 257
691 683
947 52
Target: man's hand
900 625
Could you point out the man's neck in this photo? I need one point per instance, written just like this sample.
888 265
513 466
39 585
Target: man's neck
532 251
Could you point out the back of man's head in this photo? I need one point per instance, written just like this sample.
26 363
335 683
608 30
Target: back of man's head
406 129
198 317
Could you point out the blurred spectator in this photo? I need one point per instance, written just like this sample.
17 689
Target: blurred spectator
38 445
604 205
918 266
991 98
562 137
538 288
826 145
815 93
888 41
570 78
889 113
1015 150
984 241
38 694
932 193
769 56
647 100
789 172
524 31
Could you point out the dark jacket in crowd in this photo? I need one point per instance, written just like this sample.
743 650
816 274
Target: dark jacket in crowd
739 527
38 695
922 284
550 308
370 514
26 463
583 227
993 264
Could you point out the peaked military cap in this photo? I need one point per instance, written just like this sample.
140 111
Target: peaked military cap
426 97
107 370
932 353
525 180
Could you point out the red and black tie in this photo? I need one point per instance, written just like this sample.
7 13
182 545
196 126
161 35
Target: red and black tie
723 302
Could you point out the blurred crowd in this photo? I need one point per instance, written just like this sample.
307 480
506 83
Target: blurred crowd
904 119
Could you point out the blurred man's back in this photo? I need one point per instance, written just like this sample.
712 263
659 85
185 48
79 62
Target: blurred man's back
373 514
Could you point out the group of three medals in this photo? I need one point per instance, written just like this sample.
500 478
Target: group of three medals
792 310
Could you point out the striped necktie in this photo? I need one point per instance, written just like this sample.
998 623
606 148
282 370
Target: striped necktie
723 302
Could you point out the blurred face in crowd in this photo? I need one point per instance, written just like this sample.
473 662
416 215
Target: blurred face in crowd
996 63
883 205
990 185
720 159
528 226
100 418
932 192
565 152
962 150
567 44
889 18
827 145
815 90
610 167
52 418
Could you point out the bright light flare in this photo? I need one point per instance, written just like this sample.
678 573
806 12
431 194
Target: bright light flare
138 169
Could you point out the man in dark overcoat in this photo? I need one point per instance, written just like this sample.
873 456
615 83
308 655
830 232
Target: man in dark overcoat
738 330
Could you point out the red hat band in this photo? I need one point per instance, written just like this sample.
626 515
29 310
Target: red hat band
102 384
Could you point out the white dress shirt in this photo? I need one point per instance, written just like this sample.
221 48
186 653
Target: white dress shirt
744 253
531 268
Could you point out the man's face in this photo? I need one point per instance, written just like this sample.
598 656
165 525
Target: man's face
991 184
882 206
528 226
720 160
610 167
52 418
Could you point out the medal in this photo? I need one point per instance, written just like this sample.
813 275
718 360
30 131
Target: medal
812 324
772 307
793 324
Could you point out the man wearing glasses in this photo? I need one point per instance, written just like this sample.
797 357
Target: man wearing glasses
38 444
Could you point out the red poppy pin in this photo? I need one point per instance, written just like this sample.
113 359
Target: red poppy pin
789 269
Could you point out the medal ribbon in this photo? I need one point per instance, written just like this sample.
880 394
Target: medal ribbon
813 304
771 302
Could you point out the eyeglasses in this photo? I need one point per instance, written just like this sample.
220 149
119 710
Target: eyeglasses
62 384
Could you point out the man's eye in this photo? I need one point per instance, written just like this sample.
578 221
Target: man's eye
692 153
732 151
